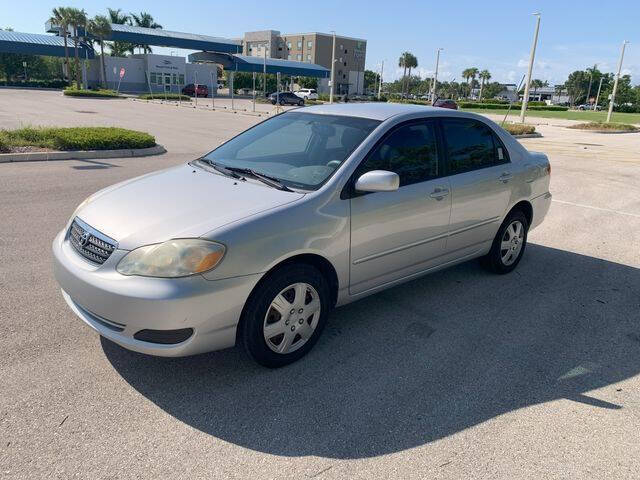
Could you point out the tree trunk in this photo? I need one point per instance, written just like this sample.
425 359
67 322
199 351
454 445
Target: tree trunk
404 80
409 82
66 56
481 87
104 69
77 58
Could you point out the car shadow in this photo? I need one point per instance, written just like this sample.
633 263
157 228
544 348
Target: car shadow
418 362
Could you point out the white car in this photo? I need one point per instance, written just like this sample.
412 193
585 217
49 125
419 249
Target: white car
307 93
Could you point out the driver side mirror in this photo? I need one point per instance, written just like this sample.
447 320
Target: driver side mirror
378 181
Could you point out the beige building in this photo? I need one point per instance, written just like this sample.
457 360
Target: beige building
315 48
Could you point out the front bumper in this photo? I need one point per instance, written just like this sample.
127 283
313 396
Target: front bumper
118 306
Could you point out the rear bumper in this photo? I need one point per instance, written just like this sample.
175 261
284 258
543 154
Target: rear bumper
118 306
540 206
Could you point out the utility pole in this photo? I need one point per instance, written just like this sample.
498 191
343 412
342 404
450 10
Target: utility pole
435 76
333 67
615 83
264 73
380 85
595 106
532 57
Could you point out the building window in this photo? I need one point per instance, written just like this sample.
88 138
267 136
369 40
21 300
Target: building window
309 44
299 57
344 76
152 77
308 57
174 78
341 47
345 51
299 44
289 45
345 64
181 79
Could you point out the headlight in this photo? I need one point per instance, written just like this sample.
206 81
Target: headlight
175 258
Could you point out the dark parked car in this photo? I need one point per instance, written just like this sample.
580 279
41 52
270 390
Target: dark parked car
286 98
203 90
445 103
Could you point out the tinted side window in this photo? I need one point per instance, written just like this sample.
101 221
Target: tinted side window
410 151
470 145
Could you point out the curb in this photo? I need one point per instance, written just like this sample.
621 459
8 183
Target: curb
80 154
528 135
175 103
604 132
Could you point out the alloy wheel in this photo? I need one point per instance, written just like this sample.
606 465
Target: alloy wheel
512 242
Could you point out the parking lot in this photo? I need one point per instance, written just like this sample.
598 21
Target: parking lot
460 374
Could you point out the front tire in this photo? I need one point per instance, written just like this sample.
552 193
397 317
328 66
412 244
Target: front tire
508 245
285 315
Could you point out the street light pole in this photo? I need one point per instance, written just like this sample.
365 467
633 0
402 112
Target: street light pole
615 83
333 67
590 80
380 85
595 106
435 76
532 57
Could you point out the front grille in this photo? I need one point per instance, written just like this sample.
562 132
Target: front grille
90 243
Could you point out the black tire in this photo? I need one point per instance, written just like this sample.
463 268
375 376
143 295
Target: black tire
251 333
493 261
301 103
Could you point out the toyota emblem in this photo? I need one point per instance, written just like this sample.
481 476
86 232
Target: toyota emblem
84 239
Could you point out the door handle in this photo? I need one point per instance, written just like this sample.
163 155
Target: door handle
505 177
439 193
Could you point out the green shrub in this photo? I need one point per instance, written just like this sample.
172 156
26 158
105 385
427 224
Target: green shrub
36 83
76 138
519 128
627 108
74 92
4 143
162 96
615 127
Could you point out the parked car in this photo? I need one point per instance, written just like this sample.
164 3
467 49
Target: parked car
587 106
311 209
307 93
286 98
445 103
190 89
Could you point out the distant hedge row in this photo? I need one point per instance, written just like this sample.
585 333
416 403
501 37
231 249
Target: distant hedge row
162 96
515 106
36 84
74 92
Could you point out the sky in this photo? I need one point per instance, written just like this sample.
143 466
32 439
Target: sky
492 35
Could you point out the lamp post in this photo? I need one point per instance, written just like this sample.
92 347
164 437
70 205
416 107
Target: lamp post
435 76
595 105
380 85
333 67
532 57
615 83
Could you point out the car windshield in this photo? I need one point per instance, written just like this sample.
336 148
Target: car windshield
301 150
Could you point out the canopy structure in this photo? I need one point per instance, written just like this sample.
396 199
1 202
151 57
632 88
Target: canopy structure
164 38
244 63
35 44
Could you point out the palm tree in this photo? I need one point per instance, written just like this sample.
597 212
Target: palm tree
470 75
60 17
77 20
402 62
100 27
536 84
411 62
116 16
145 20
485 76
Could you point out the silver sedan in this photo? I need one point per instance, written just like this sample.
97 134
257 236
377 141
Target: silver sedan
256 241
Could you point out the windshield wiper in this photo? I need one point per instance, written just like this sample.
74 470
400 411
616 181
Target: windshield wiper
222 169
266 179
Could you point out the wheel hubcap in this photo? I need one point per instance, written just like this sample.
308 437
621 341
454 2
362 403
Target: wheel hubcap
512 241
291 318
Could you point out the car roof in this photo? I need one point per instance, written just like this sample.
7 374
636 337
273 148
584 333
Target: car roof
375 110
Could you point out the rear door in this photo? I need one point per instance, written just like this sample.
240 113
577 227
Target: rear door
396 234
480 176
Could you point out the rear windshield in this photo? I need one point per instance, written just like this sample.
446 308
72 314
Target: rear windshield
302 150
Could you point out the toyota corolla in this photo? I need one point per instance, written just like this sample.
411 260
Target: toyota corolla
255 242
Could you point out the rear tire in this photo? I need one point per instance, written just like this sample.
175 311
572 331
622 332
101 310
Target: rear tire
508 245
301 103
284 317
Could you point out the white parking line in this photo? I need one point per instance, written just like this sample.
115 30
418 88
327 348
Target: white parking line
597 208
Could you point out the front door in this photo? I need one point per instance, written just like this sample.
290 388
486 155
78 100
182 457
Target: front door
480 174
396 234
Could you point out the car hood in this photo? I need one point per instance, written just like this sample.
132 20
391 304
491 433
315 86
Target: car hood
181 202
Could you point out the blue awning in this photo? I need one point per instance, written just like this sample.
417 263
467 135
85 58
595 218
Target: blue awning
36 44
244 63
